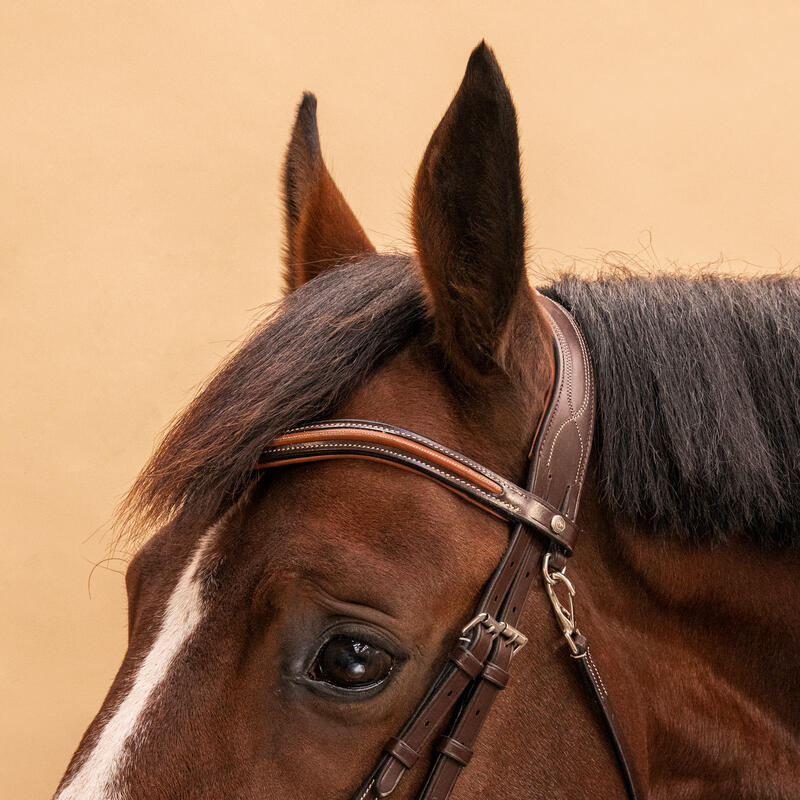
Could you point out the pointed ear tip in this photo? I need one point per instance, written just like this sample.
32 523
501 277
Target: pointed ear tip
483 57
305 124
308 103
484 76
307 112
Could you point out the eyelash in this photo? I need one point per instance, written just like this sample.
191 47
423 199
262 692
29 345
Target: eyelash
363 632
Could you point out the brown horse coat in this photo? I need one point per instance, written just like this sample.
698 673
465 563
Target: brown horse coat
235 599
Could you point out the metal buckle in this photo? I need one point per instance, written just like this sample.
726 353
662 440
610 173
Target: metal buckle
565 614
512 635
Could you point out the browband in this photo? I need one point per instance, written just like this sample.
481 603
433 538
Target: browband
477 667
352 438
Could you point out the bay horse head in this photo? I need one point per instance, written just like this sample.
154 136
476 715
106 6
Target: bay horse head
282 629
285 623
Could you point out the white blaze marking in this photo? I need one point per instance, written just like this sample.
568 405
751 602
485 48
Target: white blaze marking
95 779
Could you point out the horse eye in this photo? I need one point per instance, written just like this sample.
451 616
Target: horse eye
350 664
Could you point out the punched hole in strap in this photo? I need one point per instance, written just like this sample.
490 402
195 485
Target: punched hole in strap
403 752
466 662
453 749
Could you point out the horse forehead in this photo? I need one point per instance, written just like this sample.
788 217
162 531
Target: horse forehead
355 515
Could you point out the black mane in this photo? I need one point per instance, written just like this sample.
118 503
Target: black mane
698 400
308 355
698 426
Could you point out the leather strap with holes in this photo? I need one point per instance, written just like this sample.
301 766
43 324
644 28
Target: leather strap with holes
478 666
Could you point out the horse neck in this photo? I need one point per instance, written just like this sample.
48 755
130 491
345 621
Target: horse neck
691 642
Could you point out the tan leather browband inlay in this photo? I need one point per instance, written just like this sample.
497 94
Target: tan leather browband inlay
389 440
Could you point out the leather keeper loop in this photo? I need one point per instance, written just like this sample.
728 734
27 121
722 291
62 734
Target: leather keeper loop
452 748
581 644
558 558
466 662
405 754
496 675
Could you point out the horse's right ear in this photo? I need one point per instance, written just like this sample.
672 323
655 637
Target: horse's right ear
321 230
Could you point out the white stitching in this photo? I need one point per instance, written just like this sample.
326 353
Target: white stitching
589 379
568 368
580 437
508 487
595 672
414 437
588 395
428 466
561 384
366 791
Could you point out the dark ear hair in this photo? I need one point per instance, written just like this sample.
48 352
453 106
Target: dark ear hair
468 221
321 230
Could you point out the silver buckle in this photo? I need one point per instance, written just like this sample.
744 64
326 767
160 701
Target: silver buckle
565 614
512 635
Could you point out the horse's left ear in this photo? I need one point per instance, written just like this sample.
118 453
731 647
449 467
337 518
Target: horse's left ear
468 223
321 230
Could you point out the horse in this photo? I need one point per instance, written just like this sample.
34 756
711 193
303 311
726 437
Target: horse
285 622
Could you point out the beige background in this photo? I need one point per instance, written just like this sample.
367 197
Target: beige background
140 148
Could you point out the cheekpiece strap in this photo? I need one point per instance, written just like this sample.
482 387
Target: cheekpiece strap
477 669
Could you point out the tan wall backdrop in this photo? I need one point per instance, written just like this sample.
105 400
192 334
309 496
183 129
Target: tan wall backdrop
140 149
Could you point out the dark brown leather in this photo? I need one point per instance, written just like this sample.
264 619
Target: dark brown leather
559 455
478 667
467 724
434 710
595 682
495 674
466 662
402 752
380 435
561 449
376 441
454 750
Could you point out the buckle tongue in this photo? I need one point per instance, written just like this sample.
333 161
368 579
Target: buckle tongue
495 629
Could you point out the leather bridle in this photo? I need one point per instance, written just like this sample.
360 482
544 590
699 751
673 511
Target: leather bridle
477 667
